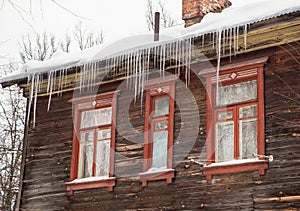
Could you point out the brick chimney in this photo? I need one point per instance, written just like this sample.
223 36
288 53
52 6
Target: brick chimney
194 10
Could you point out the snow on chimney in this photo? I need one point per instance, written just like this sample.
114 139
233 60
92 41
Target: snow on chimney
194 10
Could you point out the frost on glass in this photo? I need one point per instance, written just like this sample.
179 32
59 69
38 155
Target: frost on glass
235 93
161 125
160 149
161 106
247 138
102 159
225 141
247 111
85 160
87 136
225 115
104 134
96 117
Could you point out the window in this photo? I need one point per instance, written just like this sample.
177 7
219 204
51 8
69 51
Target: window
158 130
92 162
235 119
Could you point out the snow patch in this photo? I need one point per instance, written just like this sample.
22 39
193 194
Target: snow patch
135 52
241 13
89 179
235 162
157 170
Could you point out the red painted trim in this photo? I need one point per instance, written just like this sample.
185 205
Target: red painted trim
168 89
110 183
208 171
147 132
113 136
245 71
171 125
85 99
85 104
261 113
236 132
94 153
209 126
249 64
75 146
152 176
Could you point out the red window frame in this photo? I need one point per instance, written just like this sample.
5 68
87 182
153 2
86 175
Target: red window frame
155 89
91 103
232 74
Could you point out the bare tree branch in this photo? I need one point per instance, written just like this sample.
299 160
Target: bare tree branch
25 15
3 42
149 15
69 11
86 39
166 18
40 47
12 122
20 11
65 43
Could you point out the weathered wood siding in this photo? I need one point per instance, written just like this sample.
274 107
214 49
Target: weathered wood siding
49 154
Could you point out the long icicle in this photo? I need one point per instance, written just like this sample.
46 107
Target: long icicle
245 36
237 39
32 78
50 78
37 81
219 61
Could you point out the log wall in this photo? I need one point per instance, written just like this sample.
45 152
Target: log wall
50 143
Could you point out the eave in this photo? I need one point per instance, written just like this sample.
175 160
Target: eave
261 35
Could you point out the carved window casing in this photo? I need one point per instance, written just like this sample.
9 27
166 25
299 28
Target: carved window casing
158 130
235 119
92 164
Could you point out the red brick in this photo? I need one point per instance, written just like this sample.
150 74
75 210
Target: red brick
194 10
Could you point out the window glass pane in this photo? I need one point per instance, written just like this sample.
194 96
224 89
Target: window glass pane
96 117
85 166
225 141
103 158
225 115
235 93
247 111
104 134
160 149
161 125
161 106
247 138
87 136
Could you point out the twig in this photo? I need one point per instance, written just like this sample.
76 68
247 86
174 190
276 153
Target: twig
3 42
19 10
41 8
2 4
69 11
294 48
286 84
277 93
290 54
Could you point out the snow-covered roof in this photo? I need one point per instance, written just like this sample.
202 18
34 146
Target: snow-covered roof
241 13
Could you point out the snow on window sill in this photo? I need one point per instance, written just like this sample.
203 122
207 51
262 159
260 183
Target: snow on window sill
91 182
88 179
234 162
157 174
235 166
154 170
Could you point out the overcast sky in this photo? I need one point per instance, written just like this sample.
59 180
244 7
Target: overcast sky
117 19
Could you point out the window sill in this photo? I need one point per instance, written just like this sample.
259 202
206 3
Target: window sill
91 182
159 174
235 166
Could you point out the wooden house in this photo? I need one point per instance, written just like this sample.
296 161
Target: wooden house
205 118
